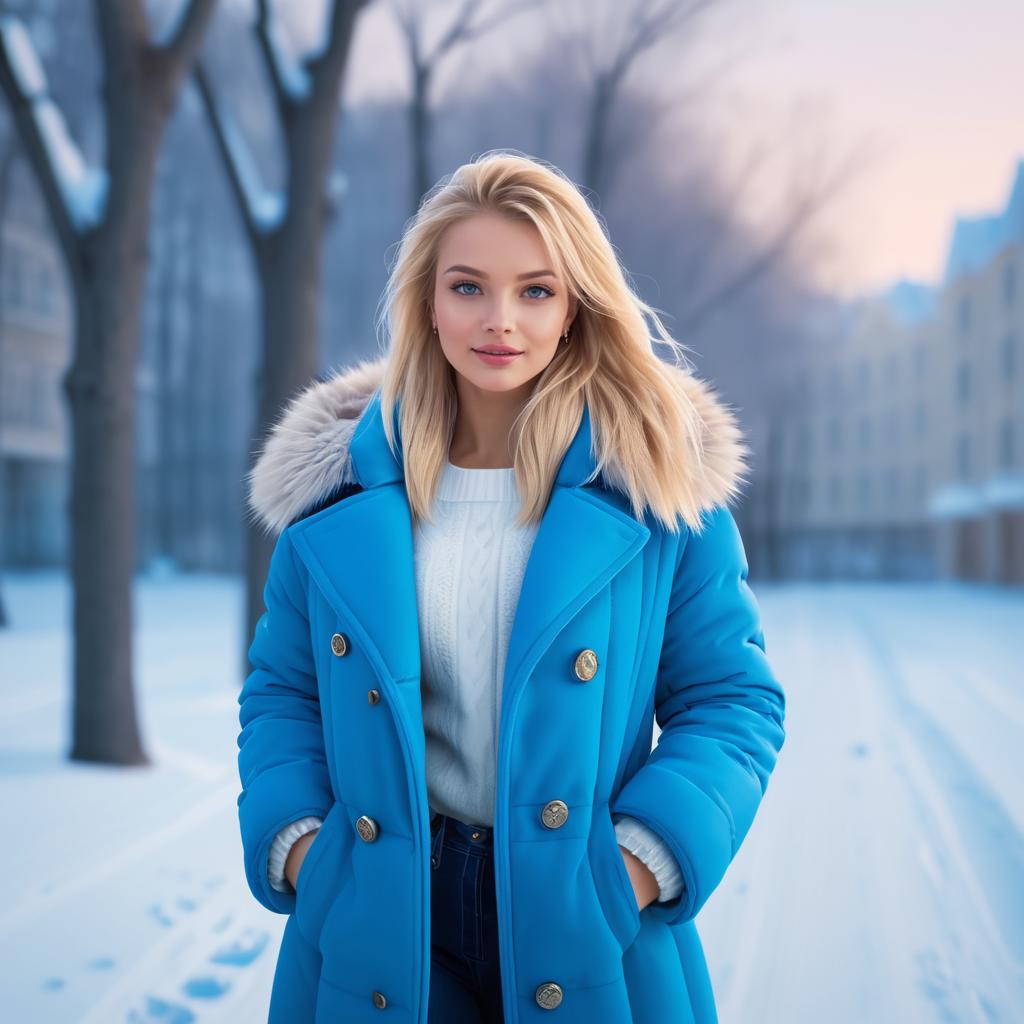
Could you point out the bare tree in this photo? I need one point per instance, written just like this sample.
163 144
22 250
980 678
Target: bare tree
468 23
615 47
286 231
100 218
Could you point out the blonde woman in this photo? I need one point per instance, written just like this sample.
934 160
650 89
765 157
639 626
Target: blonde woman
504 549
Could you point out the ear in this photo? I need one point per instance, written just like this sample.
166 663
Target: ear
574 306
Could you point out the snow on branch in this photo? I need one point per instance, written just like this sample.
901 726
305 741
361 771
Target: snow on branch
290 78
82 189
265 205
261 210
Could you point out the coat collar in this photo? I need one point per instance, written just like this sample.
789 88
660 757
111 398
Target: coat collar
374 464
332 435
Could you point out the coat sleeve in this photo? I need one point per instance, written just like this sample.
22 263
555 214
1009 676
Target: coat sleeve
720 709
282 763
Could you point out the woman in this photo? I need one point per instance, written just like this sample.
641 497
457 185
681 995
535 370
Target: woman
492 574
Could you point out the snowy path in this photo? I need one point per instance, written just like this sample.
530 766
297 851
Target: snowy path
883 880
884 877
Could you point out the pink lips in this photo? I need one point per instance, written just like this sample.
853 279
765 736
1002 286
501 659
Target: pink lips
502 359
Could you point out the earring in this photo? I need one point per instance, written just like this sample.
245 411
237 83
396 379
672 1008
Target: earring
435 328
565 336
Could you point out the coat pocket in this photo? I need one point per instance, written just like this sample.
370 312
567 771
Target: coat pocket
322 873
612 881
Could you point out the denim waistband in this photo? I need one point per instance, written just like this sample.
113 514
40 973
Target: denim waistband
470 835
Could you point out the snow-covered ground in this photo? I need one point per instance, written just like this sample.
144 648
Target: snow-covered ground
882 881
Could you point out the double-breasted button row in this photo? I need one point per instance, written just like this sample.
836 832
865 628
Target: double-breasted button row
341 645
367 828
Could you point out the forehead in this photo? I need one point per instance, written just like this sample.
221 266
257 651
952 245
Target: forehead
495 244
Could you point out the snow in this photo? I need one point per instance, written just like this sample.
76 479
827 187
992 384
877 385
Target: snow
294 77
83 188
21 55
882 880
1005 490
956 501
267 207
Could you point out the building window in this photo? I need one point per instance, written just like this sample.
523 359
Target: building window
1009 355
963 383
1006 454
865 490
835 491
893 481
47 289
805 439
920 359
14 277
835 434
963 455
865 432
1010 283
919 419
964 314
894 424
921 482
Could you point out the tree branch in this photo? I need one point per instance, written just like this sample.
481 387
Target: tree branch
289 80
237 162
59 167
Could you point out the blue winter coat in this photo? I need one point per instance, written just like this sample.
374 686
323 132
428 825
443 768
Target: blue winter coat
678 637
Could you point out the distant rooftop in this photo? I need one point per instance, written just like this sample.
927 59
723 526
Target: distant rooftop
976 240
910 301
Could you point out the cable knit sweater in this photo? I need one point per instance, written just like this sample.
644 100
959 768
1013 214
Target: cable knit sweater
469 567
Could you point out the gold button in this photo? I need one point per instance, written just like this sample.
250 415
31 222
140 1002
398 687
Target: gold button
373 696
380 1000
549 995
339 644
585 665
367 828
555 813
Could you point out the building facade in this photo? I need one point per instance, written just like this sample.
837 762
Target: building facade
900 451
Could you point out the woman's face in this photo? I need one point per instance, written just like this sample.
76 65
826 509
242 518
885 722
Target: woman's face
495 288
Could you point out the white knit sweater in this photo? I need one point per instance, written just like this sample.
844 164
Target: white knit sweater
469 568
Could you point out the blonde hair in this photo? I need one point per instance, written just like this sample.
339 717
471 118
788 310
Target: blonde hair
647 431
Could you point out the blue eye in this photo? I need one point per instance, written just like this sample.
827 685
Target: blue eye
472 284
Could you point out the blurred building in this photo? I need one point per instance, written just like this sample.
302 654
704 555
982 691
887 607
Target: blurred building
35 348
901 450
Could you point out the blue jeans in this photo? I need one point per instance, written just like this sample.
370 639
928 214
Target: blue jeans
465 972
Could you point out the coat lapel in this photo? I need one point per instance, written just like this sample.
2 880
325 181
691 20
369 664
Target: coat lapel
360 553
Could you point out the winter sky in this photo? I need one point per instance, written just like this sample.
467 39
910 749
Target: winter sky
928 90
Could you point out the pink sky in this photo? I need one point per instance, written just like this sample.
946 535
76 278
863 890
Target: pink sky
937 83
932 88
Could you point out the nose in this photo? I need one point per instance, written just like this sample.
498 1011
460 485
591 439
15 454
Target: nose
499 320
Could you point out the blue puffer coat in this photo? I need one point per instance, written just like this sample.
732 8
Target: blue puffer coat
677 635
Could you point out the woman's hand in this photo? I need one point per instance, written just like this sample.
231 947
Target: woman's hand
645 885
296 855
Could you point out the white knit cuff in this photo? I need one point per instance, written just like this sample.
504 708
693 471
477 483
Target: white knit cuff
642 842
281 847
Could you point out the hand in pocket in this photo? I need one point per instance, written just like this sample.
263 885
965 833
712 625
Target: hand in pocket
296 855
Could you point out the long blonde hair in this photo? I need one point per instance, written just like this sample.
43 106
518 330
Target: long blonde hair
648 433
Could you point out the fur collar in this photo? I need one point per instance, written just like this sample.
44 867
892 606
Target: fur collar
306 458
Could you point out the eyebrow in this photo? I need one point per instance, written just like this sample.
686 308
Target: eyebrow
459 268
